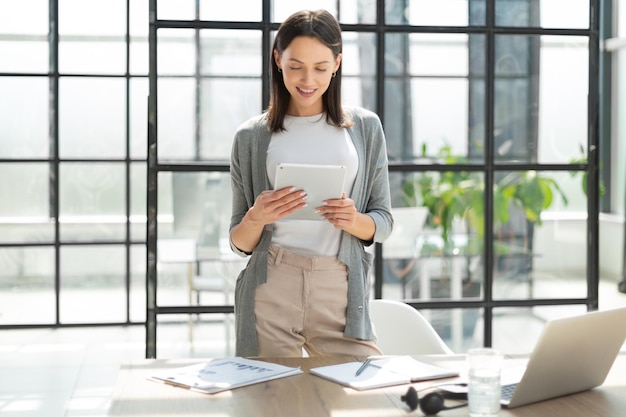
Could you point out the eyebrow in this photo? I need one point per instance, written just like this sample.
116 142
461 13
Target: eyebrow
317 63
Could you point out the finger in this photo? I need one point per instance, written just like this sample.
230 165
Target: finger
339 202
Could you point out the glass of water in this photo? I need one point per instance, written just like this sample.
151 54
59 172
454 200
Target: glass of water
484 367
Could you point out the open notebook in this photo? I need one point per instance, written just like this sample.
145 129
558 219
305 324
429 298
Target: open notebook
382 372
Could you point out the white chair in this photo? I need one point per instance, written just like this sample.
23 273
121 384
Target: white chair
402 330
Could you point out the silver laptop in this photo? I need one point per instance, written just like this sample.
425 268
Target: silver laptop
573 354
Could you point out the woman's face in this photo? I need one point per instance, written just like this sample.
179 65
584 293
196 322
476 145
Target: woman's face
307 66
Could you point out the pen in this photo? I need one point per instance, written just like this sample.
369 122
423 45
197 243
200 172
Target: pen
363 366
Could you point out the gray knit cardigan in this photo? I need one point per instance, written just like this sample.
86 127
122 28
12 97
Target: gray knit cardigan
370 193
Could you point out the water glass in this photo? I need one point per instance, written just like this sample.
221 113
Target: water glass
484 368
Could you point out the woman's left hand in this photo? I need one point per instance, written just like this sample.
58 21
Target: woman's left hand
340 212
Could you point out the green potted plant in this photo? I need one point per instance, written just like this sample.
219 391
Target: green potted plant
459 195
448 196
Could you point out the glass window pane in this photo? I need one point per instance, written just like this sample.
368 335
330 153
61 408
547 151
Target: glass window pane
176 53
92 201
543 13
540 229
86 55
24 37
195 207
221 115
24 17
359 54
618 154
358 86
358 92
139 56
563 109
27 286
138 15
350 11
541 91
224 105
24 54
88 44
24 117
432 99
428 84
138 283
138 114
24 207
236 10
190 204
226 102
92 125
437 54
282 9
429 13
176 118
357 12
447 242
230 52
138 195
92 17
176 9
93 286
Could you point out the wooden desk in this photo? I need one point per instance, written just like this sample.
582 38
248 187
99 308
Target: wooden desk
308 395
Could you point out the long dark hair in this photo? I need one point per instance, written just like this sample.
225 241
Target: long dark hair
323 26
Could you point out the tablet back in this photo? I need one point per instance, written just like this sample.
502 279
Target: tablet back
320 182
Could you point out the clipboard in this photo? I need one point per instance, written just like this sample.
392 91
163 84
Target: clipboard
224 374
320 182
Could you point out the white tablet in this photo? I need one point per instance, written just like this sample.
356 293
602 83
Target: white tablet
320 182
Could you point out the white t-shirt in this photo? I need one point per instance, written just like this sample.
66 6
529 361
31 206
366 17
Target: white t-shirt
311 140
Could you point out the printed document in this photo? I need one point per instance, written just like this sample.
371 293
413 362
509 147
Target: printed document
224 374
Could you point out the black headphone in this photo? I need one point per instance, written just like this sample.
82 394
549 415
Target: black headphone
430 404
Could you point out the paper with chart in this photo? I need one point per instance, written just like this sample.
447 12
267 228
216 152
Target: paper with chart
224 374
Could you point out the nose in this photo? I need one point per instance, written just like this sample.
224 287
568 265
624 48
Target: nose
307 75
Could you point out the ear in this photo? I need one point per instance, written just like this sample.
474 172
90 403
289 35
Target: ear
277 59
337 62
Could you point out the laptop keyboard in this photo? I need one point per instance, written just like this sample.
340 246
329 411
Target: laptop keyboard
507 391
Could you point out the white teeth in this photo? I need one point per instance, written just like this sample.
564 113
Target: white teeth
306 91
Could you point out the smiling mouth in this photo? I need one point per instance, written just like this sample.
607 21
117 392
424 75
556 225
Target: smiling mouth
306 91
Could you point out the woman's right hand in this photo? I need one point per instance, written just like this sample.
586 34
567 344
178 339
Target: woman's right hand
272 205
269 206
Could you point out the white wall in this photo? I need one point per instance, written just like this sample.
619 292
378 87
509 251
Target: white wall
561 245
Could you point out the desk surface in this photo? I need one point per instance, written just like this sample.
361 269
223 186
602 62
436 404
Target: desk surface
308 395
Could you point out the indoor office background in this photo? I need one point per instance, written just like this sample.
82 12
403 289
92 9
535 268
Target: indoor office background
501 116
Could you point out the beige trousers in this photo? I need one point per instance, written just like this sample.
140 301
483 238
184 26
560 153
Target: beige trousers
303 305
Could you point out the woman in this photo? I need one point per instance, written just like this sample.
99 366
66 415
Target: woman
306 284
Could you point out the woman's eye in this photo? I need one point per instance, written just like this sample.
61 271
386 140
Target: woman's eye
294 68
321 69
